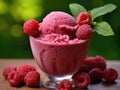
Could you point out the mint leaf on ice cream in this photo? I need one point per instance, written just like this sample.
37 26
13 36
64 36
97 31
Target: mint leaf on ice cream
96 12
76 9
103 28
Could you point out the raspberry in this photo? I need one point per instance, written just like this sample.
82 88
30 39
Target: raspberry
89 61
81 80
95 62
25 68
65 85
83 18
8 69
32 79
83 68
84 32
110 75
15 78
100 62
30 27
95 75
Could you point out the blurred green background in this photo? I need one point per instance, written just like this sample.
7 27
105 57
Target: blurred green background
13 13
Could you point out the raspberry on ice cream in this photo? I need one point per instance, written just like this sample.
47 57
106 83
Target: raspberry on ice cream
8 69
32 79
59 22
25 68
84 32
31 28
84 18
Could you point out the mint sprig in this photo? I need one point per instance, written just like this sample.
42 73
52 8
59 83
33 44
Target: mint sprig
96 12
102 28
76 9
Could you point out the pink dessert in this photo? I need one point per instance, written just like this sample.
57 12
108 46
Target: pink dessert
59 22
57 50
60 44
59 58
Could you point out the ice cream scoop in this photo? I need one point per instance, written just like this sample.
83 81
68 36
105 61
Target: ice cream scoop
58 45
58 51
58 22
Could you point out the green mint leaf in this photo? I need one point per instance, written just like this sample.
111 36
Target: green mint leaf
96 12
76 9
103 28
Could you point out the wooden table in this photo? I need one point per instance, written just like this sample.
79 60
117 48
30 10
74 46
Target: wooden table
4 85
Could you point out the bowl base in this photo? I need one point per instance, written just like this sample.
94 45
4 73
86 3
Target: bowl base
53 81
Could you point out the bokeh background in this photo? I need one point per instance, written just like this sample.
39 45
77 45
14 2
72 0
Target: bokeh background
13 13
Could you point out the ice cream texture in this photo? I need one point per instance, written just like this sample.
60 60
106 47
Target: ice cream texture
59 22
59 59
57 50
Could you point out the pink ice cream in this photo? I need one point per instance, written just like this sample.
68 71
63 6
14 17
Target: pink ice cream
59 22
59 58
57 50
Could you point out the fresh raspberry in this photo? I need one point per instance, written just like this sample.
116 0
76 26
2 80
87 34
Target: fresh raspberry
83 68
8 69
84 32
100 62
25 68
95 62
30 27
32 79
95 75
15 78
84 18
89 62
81 80
65 85
110 75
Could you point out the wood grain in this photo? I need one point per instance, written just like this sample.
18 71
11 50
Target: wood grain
4 85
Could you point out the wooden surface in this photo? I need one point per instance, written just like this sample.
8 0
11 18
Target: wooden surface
4 85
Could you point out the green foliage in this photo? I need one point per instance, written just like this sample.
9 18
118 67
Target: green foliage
103 28
13 13
76 9
96 12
